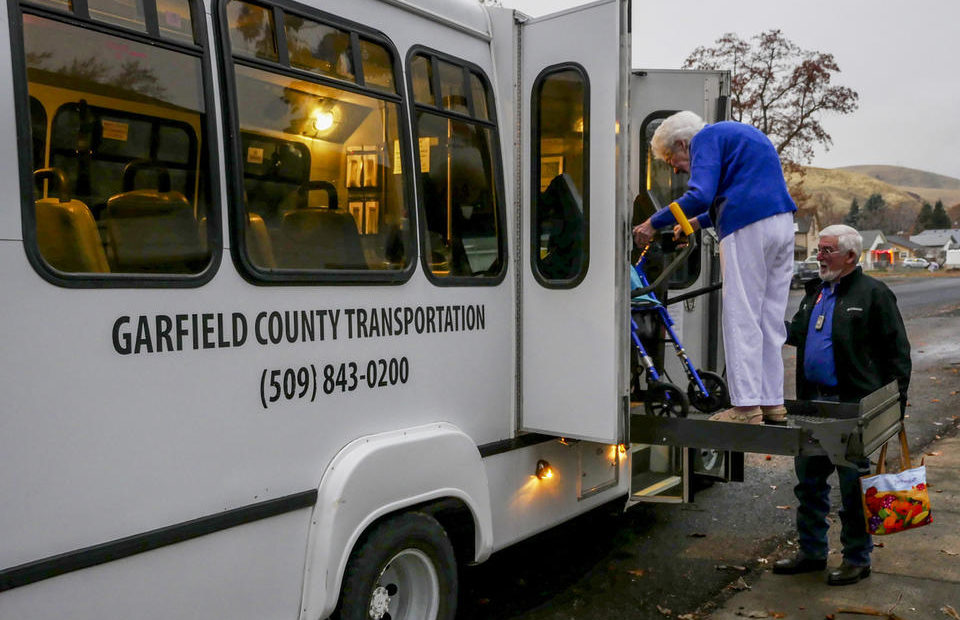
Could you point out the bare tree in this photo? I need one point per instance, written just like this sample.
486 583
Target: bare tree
780 89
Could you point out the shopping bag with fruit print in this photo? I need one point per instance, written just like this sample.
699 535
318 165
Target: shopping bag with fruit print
894 502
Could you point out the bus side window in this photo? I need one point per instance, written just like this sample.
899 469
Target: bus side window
664 185
324 190
561 165
459 171
122 158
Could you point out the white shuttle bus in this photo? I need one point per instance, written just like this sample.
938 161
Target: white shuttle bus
305 304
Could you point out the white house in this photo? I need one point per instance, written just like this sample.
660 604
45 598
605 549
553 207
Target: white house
936 242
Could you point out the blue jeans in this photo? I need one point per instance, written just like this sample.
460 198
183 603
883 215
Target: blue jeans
813 492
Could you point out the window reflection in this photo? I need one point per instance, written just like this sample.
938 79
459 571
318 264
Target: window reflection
421 75
251 30
175 20
319 48
124 13
118 188
377 66
452 95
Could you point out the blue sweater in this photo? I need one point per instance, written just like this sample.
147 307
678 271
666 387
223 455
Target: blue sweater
737 162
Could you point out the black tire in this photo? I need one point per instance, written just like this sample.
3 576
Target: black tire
665 399
717 388
382 575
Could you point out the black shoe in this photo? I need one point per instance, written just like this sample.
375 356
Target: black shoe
798 564
847 574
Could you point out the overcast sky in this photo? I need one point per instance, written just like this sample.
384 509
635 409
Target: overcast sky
903 58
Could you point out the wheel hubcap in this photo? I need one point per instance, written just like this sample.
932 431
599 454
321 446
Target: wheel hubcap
407 589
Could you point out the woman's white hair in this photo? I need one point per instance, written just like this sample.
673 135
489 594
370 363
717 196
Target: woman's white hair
680 126
848 239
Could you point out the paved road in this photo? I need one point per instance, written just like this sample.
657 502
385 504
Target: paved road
916 294
683 558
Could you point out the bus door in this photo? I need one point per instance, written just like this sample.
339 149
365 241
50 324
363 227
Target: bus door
664 472
574 216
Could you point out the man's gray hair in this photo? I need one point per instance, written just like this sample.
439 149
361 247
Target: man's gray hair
848 239
680 126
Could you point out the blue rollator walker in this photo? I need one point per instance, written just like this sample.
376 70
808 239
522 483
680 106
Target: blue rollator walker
706 391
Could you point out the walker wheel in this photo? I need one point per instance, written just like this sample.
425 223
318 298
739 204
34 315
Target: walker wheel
719 396
666 399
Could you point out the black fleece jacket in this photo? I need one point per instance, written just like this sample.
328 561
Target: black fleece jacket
870 346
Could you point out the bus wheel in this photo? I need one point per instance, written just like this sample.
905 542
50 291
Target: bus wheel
404 569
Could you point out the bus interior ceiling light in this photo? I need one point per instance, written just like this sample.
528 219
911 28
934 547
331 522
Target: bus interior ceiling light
544 470
321 120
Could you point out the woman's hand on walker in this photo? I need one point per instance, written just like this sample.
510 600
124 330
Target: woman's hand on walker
642 234
678 233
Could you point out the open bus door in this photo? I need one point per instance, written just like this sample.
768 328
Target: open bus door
574 80
665 472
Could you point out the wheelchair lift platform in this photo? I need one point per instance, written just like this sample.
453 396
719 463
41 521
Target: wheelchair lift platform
841 431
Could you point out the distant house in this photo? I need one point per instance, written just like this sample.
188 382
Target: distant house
806 228
873 256
936 242
901 248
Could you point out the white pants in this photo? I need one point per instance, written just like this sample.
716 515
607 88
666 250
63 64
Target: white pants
757 265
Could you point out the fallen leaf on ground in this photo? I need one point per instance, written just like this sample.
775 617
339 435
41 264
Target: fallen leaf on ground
938 453
783 507
868 611
739 584
950 611
664 611
949 552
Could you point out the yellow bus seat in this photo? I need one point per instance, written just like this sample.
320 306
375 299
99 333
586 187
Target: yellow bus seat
148 230
316 238
259 247
67 236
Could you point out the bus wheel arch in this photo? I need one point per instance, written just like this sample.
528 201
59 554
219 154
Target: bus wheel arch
380 478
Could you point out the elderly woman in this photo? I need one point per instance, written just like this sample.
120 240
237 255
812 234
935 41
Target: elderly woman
737 186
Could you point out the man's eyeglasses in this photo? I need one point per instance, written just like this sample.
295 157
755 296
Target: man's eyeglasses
827 251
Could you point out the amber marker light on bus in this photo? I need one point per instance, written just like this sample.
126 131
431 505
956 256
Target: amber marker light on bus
544 470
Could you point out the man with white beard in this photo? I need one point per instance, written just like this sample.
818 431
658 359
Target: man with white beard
850 341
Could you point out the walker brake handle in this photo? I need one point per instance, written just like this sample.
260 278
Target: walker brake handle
679 258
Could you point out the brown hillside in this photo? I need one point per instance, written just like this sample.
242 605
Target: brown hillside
832 190
907 177
932 195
